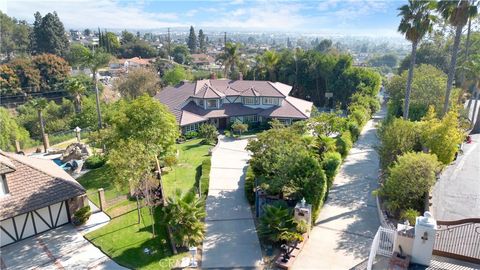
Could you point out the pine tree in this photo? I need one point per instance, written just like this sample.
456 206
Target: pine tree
192 41
48 35
201 41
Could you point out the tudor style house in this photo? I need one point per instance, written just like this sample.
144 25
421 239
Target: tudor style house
224 101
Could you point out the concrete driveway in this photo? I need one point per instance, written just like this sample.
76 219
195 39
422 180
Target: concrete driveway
456 195
231 239
61 248
348 221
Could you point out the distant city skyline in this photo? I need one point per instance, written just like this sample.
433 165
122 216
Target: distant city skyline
329 17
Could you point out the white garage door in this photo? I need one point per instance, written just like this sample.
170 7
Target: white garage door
25 225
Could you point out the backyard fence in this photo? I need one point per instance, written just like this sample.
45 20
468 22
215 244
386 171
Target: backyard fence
383 244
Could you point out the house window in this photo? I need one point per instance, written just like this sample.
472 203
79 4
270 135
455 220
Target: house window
250 118
270 101
251 100
212 103
285 121
192 127
3 185
201 103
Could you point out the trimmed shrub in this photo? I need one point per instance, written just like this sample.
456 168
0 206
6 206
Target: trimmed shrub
94 162
191 134
250 185
275 221
352 126
209 133
82 215
410 215
344 143
409 181
359 114
239 127
331 162
205 178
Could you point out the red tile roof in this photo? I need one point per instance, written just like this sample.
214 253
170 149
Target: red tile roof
34 184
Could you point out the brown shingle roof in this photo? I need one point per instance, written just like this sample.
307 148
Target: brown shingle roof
34 184
291 108
226 110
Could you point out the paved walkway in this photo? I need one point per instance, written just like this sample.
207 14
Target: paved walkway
456 195
231 239
348 221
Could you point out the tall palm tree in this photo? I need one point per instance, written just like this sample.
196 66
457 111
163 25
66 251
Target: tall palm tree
269 61
96 60
417 21
230 57
473 75
40 104
456 13
76 89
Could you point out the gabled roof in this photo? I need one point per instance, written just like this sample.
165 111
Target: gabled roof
250 92
203 89
291 108
34 184
227 109
188 118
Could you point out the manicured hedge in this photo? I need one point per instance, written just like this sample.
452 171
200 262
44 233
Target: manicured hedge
82 215
331 162
205 178
249 186
344 143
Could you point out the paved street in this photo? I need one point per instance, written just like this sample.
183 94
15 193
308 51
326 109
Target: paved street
231 239
348 221
456 195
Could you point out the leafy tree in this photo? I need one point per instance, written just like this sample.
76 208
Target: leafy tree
201 41
181 54
473 75
428 89
275 221
410 178
175 76
239 127
53 70
456 13
327 124
208 132
127 37
389 60
184 214
397 137
137 48
442 137
27 74
230 57
192 41
137 82
416 22
14 37
76 55
76 89
324 46
428 53
9 82
10 131
48 35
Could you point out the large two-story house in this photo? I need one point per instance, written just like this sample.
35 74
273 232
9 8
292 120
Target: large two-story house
224 101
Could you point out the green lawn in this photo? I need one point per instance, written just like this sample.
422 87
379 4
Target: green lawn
187 171
124 241
100 178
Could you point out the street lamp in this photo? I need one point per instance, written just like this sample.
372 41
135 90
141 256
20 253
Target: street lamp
77 131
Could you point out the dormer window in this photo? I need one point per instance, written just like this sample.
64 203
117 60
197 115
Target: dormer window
251 100
212 103
3 185
270 101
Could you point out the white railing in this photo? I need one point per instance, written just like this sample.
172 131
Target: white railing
383 244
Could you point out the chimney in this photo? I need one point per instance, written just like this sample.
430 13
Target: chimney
213 76
240 76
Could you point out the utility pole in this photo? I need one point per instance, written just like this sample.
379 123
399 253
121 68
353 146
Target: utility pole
168 41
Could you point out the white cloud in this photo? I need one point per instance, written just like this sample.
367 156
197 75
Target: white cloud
95 13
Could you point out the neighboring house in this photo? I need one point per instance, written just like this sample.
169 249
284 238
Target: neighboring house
221 102
203 61
36 195
123 65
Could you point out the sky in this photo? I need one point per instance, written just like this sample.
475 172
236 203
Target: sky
328 17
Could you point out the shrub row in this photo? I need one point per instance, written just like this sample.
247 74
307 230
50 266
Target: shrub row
205 178
94 162
250 185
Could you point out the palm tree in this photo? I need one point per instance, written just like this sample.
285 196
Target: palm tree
416 22
457 14
76 89
230 57
96 60
184 214
473 74
40 104
269 61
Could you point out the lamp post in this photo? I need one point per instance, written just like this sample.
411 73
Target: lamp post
77 132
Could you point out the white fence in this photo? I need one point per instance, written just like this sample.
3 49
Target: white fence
383 244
